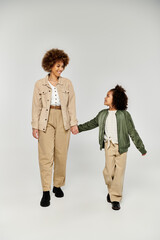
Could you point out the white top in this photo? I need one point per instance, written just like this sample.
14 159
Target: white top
111 128
55 97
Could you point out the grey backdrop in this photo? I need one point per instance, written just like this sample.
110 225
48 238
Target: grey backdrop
109 43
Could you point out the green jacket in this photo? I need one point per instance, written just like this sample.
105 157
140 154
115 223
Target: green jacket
125 128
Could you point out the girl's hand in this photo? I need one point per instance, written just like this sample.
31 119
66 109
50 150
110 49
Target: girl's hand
35 133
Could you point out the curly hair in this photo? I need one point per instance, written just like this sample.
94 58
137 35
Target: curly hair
120 99
52 56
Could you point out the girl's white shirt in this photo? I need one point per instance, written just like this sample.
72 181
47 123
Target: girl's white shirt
111 128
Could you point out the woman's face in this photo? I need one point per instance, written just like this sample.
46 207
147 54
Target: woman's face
108 99
57 68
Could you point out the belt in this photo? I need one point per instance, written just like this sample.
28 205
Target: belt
55 107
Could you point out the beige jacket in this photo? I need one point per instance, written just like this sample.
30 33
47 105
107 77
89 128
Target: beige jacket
41 103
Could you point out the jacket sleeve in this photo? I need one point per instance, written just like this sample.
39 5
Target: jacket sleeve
36 107
134 134
72 106
93 123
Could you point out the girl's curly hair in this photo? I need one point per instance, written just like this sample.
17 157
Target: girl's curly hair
52 56
120 99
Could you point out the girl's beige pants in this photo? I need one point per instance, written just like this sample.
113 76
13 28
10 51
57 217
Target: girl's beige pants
115 164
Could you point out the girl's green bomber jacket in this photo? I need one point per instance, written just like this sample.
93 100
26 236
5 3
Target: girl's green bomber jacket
125 128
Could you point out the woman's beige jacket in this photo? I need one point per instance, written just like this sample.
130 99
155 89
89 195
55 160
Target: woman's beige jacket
41 103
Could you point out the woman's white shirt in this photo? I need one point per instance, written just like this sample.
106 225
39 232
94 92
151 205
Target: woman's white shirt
55 100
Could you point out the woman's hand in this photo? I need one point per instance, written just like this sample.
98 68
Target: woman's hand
35 133
74 129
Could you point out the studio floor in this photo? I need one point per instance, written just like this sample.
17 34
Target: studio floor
83 212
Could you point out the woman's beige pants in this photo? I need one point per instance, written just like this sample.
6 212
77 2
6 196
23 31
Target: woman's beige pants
53 147
115 164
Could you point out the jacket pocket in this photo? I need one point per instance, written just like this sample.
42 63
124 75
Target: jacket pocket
66 91
65 95
42 115
43 92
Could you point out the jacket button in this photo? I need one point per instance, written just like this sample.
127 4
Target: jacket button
45 119
47 99
46 109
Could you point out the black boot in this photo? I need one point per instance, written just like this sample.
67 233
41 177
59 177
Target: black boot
108 198
58 192
115 205
45 201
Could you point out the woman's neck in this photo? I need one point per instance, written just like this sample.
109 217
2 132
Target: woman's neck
53 78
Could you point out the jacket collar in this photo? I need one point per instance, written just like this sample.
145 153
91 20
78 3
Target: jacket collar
47 77
115 113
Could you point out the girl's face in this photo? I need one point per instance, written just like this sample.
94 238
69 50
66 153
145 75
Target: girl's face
57 68
108 99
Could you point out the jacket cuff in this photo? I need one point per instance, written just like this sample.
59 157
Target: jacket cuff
143 151
34 124
79 128
73 123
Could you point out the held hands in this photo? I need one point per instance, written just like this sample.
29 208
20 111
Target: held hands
74 129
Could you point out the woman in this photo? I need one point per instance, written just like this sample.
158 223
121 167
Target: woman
53 116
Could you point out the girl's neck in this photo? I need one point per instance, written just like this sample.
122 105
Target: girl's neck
112 109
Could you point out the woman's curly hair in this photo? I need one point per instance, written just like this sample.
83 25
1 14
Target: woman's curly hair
52 56
120 99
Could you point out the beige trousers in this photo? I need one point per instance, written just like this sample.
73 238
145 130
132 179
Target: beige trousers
115 164
53 147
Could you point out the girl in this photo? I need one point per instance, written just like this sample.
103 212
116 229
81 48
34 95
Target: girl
115 127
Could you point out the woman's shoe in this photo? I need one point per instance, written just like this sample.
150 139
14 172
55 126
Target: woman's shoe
45 201
58 192
115 205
